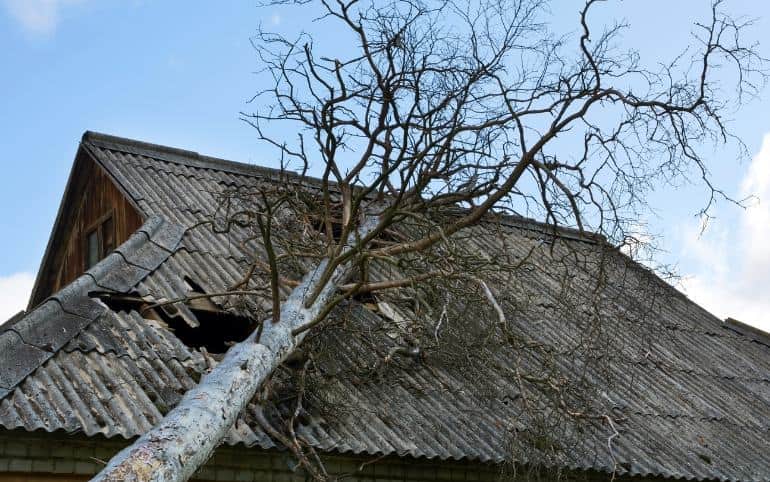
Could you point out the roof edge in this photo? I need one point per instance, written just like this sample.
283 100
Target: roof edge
749 331
177 155
35 297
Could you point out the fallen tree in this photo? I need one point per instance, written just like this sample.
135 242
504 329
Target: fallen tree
445 113
185 439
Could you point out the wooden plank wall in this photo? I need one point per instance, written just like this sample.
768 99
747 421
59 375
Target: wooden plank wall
97 198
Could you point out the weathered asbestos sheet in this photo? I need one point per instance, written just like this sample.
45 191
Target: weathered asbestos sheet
691 401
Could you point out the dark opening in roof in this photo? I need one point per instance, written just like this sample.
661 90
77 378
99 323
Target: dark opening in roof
215 330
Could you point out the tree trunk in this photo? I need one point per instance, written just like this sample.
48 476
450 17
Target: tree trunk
186 437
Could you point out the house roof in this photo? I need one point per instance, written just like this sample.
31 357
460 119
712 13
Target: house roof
690 401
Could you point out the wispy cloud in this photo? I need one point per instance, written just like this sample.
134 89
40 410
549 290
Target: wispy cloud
733 271
14 293
39 17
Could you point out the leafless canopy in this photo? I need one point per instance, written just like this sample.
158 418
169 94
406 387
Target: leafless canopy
433 116
478 104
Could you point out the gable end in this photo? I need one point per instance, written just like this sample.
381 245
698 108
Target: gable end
93 204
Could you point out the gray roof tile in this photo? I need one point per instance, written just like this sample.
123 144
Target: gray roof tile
50 327
116 274
19 358
72 301
32 339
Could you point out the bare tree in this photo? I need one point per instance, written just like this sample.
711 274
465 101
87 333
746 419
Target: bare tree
440 118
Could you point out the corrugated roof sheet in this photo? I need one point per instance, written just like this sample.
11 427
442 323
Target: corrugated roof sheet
692 400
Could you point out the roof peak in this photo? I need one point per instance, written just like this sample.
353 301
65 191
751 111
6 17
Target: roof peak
99 138
175 155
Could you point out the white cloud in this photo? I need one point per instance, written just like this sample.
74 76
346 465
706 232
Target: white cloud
732 277
38 16
14 293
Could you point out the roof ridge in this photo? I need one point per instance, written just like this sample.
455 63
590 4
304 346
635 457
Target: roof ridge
101 138
194 159
177 155
752 333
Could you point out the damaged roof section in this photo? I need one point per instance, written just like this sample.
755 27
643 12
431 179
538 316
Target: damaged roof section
95 358
30 340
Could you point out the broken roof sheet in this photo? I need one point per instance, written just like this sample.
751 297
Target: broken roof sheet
694 402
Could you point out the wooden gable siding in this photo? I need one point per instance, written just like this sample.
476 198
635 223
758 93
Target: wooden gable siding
91 198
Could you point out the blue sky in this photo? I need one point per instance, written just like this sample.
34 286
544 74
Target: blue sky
178 73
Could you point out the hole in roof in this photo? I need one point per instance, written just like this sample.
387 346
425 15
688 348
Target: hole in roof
321 226
385 238
210 328
120 302
365 298
216 332
193 285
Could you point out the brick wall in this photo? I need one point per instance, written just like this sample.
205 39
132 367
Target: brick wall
43 457
57 457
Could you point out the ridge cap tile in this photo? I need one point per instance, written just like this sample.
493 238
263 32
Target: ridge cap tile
20 359
12 320
74 299
148 255
168 236
115 274
135 241
165 234
151 225
54 334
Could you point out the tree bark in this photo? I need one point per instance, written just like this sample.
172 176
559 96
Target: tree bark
186 437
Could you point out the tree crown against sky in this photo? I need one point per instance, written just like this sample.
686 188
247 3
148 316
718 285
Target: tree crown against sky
201 77
444 115
487 84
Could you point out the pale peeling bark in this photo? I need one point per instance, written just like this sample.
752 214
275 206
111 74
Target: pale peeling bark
175 448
